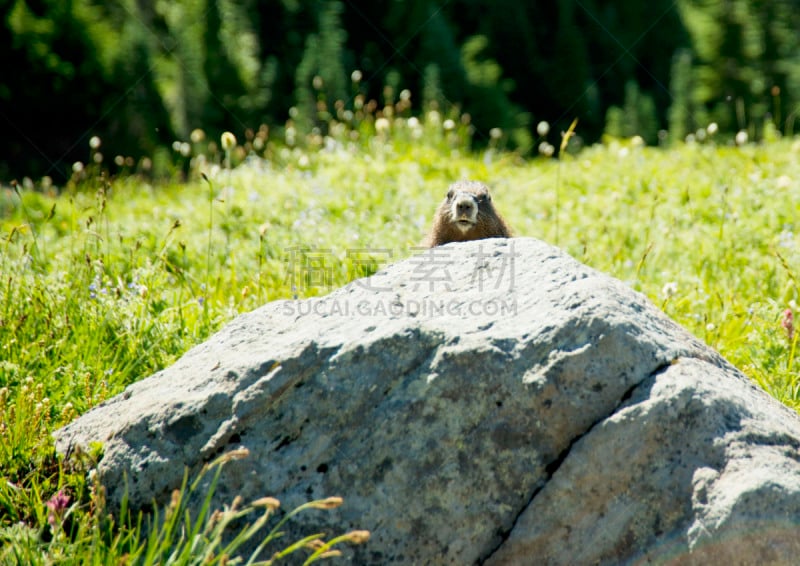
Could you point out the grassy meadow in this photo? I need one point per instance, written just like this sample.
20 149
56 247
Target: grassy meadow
104 281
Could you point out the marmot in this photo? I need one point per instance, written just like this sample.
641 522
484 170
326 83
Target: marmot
466 214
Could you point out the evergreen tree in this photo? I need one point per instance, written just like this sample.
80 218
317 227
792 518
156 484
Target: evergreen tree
748 59
488 90
681 116
57 56
321 79
142 74
432 97
637 117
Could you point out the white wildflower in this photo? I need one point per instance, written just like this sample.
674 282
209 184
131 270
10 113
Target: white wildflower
669 289
542 128
784 182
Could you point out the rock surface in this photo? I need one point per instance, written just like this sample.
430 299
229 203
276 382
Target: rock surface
490 402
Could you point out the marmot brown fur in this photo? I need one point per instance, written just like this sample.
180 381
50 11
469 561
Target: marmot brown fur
466 213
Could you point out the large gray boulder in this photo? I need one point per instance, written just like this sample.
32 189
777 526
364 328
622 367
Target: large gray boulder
489 402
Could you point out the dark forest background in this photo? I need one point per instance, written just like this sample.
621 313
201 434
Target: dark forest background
143 74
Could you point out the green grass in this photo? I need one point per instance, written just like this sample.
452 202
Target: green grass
104 283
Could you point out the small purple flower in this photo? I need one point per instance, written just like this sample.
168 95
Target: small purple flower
57 505
787 323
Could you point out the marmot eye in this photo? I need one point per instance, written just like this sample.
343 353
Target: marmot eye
450 194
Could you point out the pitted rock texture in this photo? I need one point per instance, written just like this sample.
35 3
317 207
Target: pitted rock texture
486 402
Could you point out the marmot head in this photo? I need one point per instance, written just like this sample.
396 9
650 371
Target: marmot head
464 202
466 213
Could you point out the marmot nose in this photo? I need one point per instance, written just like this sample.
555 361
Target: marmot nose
465 205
